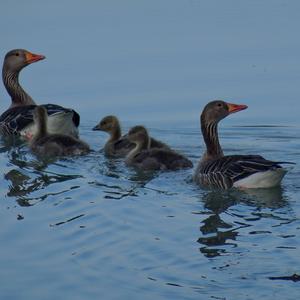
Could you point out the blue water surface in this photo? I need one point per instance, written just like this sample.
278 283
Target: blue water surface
90 228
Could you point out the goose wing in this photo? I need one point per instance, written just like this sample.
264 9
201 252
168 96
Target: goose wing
158 144
123 144
13 120
223 172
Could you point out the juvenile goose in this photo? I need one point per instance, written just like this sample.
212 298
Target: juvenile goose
244 171
48 145
18 119
146 158
118 145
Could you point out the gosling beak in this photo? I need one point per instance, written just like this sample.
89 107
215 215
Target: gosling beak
232 108
31 57
97 127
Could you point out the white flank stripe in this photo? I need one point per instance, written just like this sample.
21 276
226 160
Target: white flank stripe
265 179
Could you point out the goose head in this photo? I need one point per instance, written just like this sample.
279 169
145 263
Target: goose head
15 60
107 124
138 135
217 110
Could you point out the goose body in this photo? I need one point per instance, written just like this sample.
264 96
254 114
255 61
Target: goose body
265 179
18 119
146 158
241 171
45 144
118 145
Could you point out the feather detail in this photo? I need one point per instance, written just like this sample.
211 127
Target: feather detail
19 120
226 171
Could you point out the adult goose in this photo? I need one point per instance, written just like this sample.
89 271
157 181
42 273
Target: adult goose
45 144
18 119
242 171
118 145
146 158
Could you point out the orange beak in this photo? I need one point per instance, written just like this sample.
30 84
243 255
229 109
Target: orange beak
31 57
232 108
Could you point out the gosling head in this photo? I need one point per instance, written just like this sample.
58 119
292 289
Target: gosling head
107 124
217 110
15 60
138 134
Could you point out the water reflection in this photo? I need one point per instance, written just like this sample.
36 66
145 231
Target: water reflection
265 198
22 186
9 142
115 168
217 233
116 192
29 175
129 182
115 180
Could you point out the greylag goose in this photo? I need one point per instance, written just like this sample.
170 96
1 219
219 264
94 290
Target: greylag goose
18 119
242 171
118 145
146 158
45 144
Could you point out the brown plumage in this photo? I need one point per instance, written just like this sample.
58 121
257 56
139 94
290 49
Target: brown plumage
48 145
118 145
18 118
146 158
217 170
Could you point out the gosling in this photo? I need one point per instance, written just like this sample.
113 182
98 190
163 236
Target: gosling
146 158
118 145
45 144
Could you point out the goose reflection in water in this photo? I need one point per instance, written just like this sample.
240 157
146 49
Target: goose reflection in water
114 168
127 183
29 176
22 186
217 234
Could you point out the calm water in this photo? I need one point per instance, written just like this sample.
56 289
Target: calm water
90 228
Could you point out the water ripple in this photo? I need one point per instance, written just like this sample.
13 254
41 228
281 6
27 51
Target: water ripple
89 224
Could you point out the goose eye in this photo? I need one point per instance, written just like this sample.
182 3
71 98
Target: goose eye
17 54
219 104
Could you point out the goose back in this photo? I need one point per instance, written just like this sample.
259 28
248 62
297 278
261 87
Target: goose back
19 120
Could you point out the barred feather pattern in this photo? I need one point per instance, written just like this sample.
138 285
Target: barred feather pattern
210 135
14 89
15 119
225 171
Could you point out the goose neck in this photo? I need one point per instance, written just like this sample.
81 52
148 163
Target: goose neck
211 139
139 146
11 82
115 134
